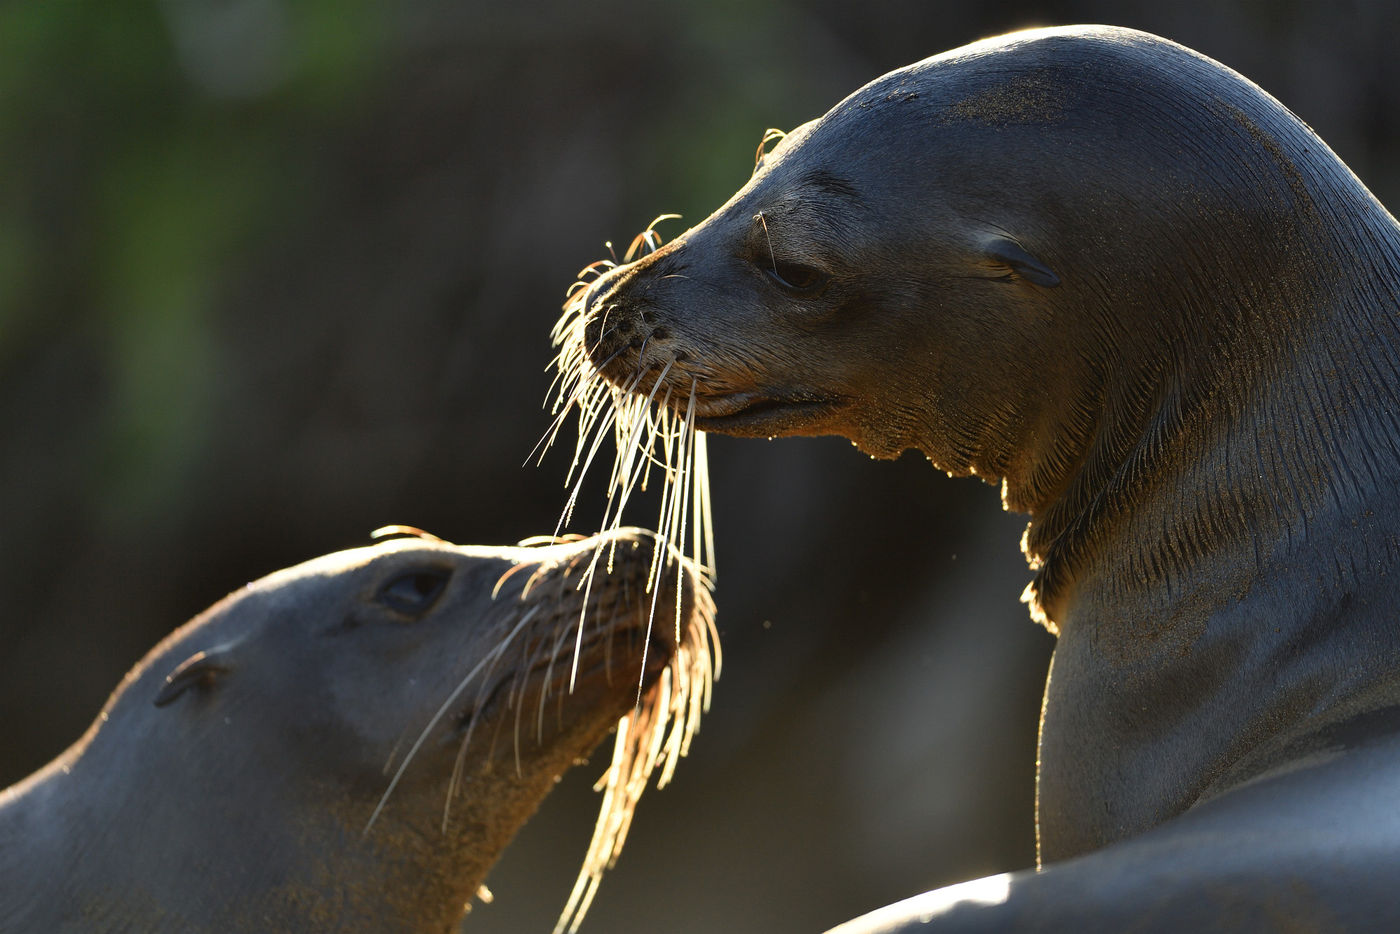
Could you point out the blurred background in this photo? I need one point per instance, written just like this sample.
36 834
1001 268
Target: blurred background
275 273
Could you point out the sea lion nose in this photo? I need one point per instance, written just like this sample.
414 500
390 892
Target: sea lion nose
606 331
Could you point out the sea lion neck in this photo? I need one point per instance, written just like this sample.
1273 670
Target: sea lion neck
1168 415
1190 640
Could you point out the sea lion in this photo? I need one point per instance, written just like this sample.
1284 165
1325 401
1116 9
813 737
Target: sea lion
1130 287
239 778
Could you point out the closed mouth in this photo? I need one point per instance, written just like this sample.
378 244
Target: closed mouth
745 413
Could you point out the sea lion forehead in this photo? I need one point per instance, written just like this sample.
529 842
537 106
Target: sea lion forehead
338 572
1029 76
394 552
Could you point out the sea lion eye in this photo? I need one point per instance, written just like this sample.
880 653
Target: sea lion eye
794 277
413 593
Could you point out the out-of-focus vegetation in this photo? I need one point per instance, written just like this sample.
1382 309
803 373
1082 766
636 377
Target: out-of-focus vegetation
274 273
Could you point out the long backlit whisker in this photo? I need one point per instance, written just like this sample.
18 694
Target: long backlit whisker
442 710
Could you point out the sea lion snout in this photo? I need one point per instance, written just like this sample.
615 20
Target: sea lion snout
722 336
628 332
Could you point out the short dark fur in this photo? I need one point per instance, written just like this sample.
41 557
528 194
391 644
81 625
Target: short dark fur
230 782
1131 287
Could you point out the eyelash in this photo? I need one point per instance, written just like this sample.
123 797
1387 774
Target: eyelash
796 278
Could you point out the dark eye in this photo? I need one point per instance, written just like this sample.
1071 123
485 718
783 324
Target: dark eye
413 593
802 280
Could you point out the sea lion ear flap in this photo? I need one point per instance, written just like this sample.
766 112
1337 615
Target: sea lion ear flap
201 669
1007 252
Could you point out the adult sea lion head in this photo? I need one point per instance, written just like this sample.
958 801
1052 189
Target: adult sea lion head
350 743
1005 256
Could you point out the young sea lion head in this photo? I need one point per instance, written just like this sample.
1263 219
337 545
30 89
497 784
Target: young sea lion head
343 663
974 256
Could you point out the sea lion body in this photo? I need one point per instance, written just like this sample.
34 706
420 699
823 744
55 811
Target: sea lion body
1309 846
234 780
1128 285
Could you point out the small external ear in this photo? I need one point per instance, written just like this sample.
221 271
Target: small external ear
1009 253
199 670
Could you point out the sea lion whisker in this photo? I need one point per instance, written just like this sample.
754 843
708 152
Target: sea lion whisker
459 762
587 584
546 440
770 135
682 495
648 237
389 760
703 547
612 632
595 269
506 575
619 486
500 725
642 468
642 741
437 717
586 884
634 416
660 431
678 500
663 530
529 662
541 572
771 255
573 496
560 640
592 406
641 239
659 558
519 705
518 701
626 453
389 531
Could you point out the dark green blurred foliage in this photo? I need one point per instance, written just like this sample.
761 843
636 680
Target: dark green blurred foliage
275 273
151 146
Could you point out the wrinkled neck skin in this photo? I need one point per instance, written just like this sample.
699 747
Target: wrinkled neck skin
300 861
1217 553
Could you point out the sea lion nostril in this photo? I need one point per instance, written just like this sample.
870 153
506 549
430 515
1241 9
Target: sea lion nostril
661 334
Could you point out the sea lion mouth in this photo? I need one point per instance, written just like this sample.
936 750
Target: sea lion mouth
601 663
754 415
